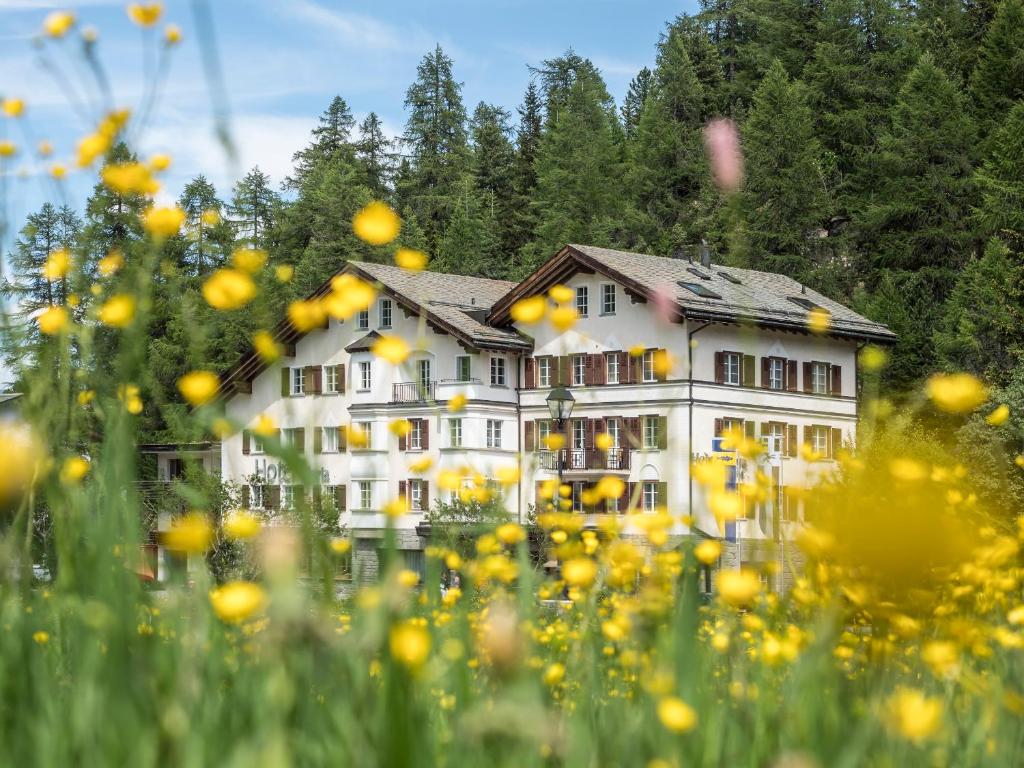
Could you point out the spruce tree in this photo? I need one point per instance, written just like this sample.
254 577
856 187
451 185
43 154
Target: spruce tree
998 78
435 134
376 152
784 201
527 144
112 220
470 245
332 135
253 208
1000 182
207 237
494 173
633 104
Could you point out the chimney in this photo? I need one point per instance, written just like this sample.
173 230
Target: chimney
705 254
678 253
803 289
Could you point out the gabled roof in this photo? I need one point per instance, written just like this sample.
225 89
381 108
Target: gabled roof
365 344
450 304
723 294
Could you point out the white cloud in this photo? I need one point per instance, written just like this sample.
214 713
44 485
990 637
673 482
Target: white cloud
355 28
34 5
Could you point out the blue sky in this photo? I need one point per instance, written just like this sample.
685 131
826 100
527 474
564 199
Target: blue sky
284 61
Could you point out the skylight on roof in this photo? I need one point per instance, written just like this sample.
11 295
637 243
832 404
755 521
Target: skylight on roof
807 304
700 290
698 273
730 278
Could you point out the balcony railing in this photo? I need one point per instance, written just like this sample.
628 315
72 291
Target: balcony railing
412 391
585 459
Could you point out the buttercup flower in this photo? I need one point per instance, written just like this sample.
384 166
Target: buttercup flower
377 224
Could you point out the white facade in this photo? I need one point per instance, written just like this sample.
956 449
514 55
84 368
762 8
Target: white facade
803 387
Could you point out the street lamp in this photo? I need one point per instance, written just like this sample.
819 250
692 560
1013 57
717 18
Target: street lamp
560 402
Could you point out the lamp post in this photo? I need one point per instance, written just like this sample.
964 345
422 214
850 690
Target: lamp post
560 402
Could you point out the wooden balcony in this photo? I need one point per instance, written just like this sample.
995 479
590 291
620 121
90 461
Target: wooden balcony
585 460
413 392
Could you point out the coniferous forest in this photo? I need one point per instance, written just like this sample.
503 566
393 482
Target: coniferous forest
883 148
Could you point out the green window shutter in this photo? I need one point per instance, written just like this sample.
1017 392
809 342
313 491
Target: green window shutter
285 382
748 371
662 495
748 428
300 440
663 432
318 440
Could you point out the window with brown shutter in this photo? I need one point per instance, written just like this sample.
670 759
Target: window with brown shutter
564 370
403 442
530 376
425 495
340 497
591 431
598 367
246 442
719 367
766 364
424 434
272 496
791 375
792 442
632 427
662 432
719 427
341 378
808 379
318 439
835 444
529 438
312 380
747 376
286 382
245 496
403 488
836 387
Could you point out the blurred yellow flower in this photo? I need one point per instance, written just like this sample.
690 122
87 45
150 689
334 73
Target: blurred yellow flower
73 470
400 427
236 601
410 644
190 533
908 470
708 551
160 162
85 397
172 34
377 224
456 403
913 715
561 293
7 148
508 474
199 387
58 171
411 259
210 217
956 392
89 148
391 348
306 315
819 320
579 572
942 656
265 346
265 426
529 310
57 23
21 457
999 415
284 273
110 263
340 546
676 715
145 14
249 260
421 465
228 289
610 487
52 320
241 524
41 637
554 674
118 311
563 318
738 588
44 148
510 533
407 578
12 107
57 265
129 179
163 221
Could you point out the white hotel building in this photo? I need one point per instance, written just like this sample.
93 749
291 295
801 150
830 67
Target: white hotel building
742 356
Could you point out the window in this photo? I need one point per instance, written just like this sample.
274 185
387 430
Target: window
650 431
579 370
455 433
579 434
543 431
577 497
365 430
256 496
384 313
330 440
807 304
611 367
493 433
777 433
497 371
608 299
416 495
614 432
648 365
543 371
776 373
330 379
582 300
731 278
363 320
731 427
423 375
298 380
257 445
819 378
290 437
287 497
650 496
415 441
365 494
700 290
819 440
463 369
733 363
698 273
364 376
612 504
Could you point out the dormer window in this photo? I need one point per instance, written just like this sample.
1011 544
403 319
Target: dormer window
700 290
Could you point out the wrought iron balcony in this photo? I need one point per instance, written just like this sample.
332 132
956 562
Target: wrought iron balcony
585 459
412 391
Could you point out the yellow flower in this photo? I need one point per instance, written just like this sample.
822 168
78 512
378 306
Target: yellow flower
391 348
563 318
91 147
145 14
249 260
561 293
400 427
396 507
21 457
228 289
340 546
507 475
284 273
241 525
708 551
377 224
908 470
57 265
110 263
57 23
58 171
610 487
44 148
190 533
956 392
306 315
410 644
873 358
163 221
676 715
529 310
913 715
579 572
510 533
85 397
160 162
172 34
129 178
456 403
118 311
7 148
942 656
738 588
408 578
41 637
725 505
554 674
819 320
74 469
199 387
421 465
13 107
265 426
236 601
411 259
999 415
52 320
265 346
554 441
210 217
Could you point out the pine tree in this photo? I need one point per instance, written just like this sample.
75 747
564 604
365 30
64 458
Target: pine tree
253 208
207 237
331 136
435 133
45 232
494 175
112 220
998 78
633 105
470 245
528 134
1000 183
784 202
376 152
